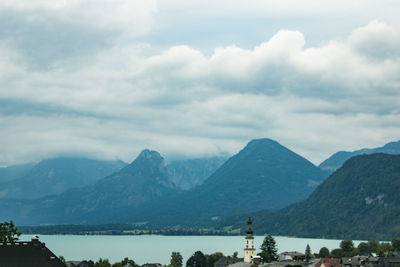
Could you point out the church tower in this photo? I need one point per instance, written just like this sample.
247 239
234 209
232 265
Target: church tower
249 250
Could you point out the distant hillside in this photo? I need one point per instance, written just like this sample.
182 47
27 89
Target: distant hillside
55 176
336 160
191 173
14 172
113 198
360 200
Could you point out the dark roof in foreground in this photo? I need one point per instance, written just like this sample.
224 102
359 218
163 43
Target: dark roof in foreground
32 254
225 261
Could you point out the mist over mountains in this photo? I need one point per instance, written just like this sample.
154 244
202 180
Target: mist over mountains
191 173
263 174
287 194
55 176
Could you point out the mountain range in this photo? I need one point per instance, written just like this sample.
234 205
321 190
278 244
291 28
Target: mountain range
285 193
336 160
360 201
262 175
55 176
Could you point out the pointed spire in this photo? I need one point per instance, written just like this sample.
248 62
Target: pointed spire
249 230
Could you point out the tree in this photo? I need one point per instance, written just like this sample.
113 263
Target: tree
197 260
308 253
235 254
363 248
373 246
125 262
396 244
324 252
347 245
8 232
62 259
176 259
102 263
213 258
337 253
385 249
268 249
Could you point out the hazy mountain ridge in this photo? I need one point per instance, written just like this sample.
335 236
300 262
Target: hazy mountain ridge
360 201
336 160
55 176
13 172
262 175
127 190
191 173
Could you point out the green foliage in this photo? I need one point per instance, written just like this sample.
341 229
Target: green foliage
373 246
62 259
324 252
268 249
396 244
8 232
213 258
198 259
363 248
124 262
347 245
235 254
102 263
308 253
385 249
337 253
346 249
176 259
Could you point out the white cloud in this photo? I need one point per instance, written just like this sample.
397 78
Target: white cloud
135 17
183 102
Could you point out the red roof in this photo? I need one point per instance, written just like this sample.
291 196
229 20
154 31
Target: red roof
328 262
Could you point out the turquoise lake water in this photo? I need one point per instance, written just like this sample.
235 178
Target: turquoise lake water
157 249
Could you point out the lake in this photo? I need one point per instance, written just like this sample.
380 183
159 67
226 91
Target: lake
157 249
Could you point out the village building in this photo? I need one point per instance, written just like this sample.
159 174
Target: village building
32 254
226 261
328 262
152 265
291 256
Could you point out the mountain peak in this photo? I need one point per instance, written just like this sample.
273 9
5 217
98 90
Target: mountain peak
148 154
147 159
263 145
262 142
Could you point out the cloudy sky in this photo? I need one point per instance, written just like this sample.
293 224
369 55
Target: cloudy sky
107 78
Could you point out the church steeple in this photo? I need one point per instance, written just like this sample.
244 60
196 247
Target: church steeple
249 250
249 230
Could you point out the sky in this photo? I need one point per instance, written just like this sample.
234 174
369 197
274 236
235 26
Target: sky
105 79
